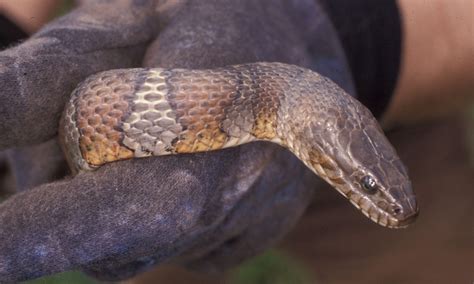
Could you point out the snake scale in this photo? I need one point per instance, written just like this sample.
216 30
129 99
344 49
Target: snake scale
132 113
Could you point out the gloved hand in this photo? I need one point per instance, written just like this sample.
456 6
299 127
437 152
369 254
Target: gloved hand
208 210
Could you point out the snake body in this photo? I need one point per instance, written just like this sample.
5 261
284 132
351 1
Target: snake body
132 113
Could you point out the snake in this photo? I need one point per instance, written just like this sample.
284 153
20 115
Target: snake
143 112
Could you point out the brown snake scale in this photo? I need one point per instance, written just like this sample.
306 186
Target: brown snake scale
127 113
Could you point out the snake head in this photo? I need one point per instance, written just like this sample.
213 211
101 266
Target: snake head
378 182
357 159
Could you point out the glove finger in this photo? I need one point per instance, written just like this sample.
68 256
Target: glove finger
38 75
145 210
115 215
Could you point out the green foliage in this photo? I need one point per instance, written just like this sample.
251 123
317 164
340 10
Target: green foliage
273 268
64 7
71 277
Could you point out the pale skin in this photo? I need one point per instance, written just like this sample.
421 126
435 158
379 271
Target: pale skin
437 70
436 76
30 15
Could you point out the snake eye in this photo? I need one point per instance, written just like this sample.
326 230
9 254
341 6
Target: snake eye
369 184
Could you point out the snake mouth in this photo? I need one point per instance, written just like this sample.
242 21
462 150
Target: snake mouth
392 222
403 223
380 214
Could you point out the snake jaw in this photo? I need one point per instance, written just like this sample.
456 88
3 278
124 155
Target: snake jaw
380 212
381 218
381 209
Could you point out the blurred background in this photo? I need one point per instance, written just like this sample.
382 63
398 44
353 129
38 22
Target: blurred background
333 242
